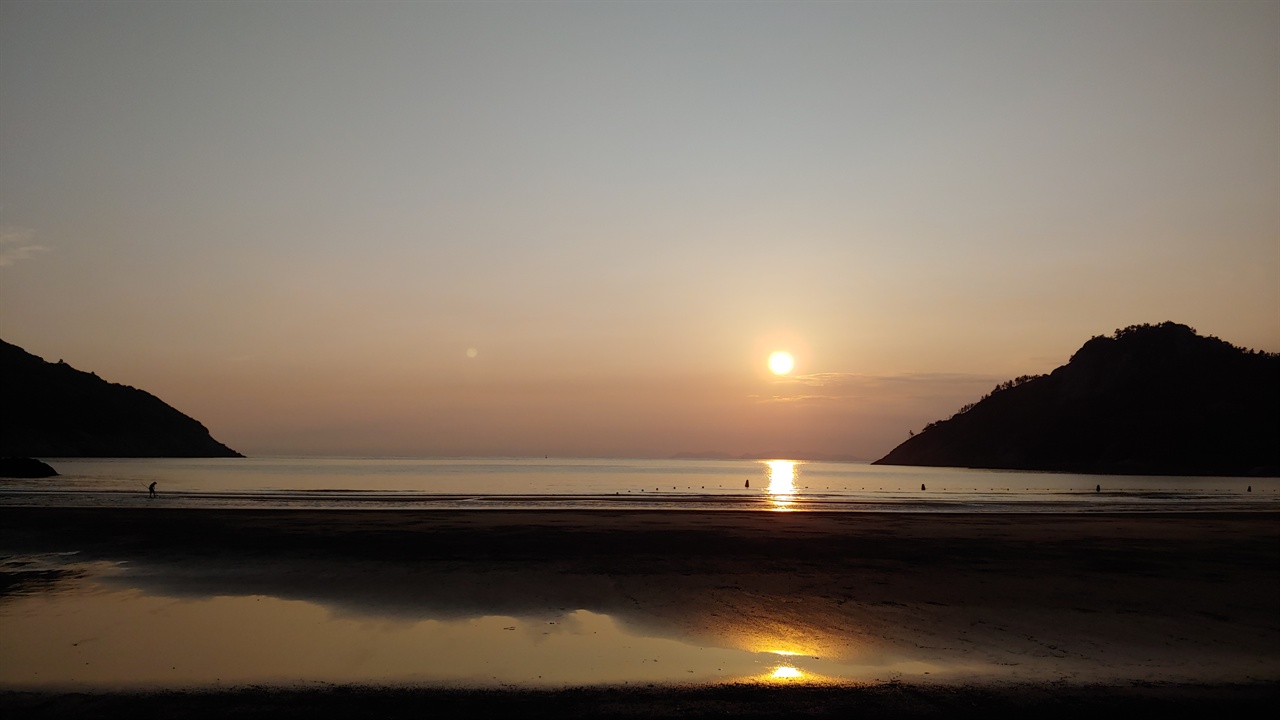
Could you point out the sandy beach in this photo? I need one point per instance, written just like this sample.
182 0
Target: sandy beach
1055 611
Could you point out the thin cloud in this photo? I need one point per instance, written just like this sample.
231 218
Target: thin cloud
829 387
15 245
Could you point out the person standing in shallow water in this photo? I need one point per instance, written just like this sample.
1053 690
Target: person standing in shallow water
151 490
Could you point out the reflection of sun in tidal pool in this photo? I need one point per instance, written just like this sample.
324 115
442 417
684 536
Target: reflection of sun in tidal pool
781 362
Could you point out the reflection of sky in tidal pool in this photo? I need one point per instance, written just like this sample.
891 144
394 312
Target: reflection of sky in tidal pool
86 632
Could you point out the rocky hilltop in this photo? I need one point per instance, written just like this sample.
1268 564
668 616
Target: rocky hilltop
53 410
1150 400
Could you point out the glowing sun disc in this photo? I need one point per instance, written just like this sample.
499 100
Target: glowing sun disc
780 363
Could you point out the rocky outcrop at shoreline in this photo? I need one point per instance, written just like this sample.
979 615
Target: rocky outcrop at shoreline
25 467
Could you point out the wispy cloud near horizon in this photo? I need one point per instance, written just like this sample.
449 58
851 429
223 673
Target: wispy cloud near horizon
836 386
16 244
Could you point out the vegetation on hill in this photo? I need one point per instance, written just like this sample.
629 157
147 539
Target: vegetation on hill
1150 399
53 410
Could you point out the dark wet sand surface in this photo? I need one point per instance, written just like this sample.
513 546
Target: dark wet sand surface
1045 613
886 702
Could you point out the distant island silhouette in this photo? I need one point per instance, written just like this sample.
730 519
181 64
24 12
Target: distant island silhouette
1149 400
54 410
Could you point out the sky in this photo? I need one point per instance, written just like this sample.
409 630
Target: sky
579 229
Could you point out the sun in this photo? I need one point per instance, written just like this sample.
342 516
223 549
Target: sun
781 362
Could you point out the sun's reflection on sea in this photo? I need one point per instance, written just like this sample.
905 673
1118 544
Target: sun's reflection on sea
782 483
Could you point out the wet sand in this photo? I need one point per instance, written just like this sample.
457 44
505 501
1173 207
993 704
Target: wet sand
1044 612
884 702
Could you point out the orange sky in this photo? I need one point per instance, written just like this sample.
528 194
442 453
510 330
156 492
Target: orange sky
292 221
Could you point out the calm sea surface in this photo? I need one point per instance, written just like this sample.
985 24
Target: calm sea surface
477 483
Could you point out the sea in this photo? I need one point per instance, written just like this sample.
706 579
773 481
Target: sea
779 484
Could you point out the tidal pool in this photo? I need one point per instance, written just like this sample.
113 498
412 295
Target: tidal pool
71 624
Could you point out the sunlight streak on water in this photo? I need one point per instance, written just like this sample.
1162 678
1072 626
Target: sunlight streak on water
782 483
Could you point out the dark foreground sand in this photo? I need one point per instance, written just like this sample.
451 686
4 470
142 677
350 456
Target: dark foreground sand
1057 614
886 701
